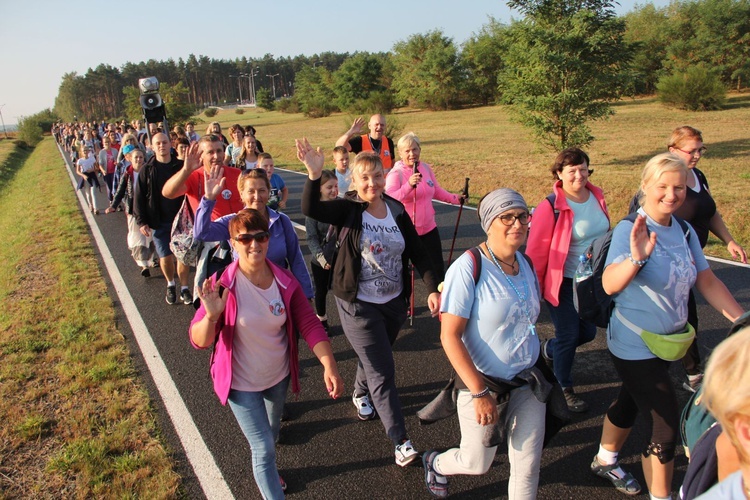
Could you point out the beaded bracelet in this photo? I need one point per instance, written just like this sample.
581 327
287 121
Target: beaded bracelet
481 394
637 263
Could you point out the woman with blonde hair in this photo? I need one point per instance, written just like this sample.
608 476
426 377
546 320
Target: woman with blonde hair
370 282
248 157
729 366
651 265
214 128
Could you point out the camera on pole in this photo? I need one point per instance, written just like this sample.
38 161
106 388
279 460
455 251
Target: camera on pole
152 103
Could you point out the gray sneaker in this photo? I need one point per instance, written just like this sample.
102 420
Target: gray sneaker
405 453
575 404
365 410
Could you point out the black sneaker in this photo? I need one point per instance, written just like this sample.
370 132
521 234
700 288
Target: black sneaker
171 297
575 404
186 296
145 272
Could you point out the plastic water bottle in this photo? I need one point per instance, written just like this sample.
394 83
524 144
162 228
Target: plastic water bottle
584 269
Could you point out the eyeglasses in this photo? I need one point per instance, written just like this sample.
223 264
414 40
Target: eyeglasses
245 238
510 219
701 151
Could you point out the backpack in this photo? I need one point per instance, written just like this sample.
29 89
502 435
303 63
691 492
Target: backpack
589 298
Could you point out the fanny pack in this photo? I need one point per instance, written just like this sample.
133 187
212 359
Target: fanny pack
668 346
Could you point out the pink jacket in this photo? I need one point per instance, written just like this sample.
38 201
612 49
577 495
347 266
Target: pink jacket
397 185
300 318
549 242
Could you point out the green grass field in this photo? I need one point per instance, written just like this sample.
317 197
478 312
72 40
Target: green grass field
494 151
75 422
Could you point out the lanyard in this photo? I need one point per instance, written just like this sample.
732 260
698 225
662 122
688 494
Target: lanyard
522 298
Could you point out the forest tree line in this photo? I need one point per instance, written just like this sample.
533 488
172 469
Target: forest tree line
431 70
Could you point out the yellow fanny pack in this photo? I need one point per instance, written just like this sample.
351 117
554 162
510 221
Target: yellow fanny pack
667 346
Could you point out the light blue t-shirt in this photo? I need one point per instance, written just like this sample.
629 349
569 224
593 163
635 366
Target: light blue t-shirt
344 180
589 222
656 299
498 334
729 489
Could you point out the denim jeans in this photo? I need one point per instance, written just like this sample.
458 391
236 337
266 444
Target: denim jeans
570 332
259 416
524 423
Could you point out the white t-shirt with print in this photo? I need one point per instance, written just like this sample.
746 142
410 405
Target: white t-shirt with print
382 245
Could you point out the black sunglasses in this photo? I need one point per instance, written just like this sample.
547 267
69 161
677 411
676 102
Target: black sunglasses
245 238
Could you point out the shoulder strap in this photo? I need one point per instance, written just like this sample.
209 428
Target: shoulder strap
476 268
685 228
551 198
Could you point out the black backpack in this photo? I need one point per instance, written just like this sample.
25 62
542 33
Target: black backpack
589 298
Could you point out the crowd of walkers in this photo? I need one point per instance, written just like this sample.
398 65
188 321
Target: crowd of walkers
215 205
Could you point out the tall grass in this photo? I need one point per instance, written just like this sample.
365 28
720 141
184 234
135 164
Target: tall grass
487 146
75 421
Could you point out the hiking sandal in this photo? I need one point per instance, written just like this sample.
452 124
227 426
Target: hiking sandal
627 484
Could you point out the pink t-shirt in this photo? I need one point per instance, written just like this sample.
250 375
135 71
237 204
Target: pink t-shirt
260 355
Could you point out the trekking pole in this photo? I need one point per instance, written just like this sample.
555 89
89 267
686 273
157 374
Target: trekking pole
458 219
414 219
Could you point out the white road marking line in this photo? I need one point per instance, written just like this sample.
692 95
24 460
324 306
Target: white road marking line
202 461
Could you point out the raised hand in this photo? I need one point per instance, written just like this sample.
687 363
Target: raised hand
213 182
193 158
212 301
356 127
641 244
313 158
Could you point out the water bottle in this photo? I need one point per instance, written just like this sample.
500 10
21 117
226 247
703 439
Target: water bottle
584 269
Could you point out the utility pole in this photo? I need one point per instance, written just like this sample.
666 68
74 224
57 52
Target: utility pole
253 73
273 82
5 131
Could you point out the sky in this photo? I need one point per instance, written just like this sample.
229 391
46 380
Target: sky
42 40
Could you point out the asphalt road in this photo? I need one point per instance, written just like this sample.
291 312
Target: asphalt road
325 452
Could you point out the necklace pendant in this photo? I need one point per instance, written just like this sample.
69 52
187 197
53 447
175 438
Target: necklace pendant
532 330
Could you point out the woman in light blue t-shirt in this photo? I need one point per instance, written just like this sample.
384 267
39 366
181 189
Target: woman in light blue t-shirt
489 336
650 267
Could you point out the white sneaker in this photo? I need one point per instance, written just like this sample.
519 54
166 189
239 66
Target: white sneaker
405 453
365 410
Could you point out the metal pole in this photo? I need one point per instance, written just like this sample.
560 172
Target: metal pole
3 121
253 75
273 83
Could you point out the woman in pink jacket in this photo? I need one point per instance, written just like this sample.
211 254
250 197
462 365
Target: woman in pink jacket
564 226
255 350
413 182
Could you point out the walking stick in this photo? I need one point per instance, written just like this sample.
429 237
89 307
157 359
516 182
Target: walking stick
458 219
414 219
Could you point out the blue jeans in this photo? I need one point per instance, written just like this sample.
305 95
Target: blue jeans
570 332
259 416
